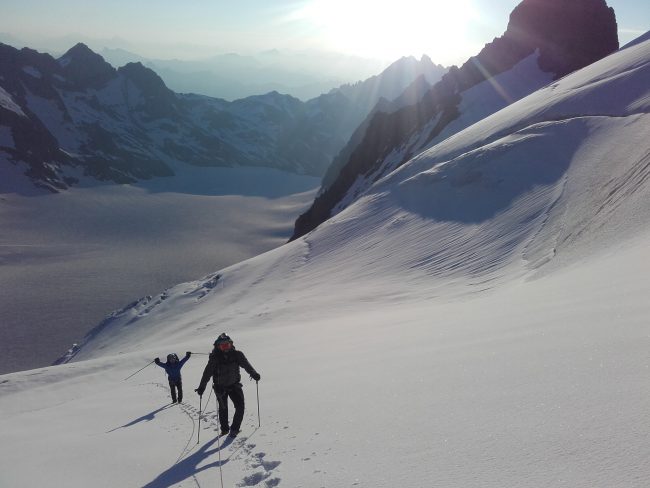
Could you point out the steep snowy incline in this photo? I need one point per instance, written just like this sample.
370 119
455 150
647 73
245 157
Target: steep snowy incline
539 384
544 40
615 86
477 211
478 319
476 103
597 116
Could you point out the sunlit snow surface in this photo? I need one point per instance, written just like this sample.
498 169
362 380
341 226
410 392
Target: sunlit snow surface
477 319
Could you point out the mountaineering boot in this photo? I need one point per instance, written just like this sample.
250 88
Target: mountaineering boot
233 433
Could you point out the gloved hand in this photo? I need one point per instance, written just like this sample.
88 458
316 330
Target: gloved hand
256 376
200 391
188 354
157 360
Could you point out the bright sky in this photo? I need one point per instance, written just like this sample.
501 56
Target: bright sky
449 32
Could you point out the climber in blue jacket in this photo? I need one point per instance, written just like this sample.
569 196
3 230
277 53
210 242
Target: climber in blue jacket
173 369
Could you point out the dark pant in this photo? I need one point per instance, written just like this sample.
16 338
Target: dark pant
236 394
176 385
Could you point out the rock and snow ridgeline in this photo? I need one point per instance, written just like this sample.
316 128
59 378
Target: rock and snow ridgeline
123 125
561 36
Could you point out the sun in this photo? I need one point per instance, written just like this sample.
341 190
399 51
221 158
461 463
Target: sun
389 30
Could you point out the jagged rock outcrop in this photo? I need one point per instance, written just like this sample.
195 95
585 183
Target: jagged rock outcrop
158 100
78 116
29 141
565 34
569 34
83 68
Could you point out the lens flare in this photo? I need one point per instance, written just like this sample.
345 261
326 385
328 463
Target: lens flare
389 29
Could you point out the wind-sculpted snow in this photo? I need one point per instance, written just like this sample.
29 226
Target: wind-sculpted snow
543 41
485 206
480 184
478 318
602 89
476 103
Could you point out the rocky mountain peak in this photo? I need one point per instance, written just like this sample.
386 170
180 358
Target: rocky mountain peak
159 101
570 34
85 68
145 79
80 51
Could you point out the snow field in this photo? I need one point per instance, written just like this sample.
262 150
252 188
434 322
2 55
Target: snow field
496 337
532 384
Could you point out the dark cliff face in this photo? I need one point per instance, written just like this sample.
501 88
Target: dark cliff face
85 68
15 78
27 71
37 148
159 101
46 89
569 35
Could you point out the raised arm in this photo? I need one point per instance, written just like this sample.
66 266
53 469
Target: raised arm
184 360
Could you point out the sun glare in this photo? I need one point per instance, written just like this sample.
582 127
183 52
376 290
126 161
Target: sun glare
389 30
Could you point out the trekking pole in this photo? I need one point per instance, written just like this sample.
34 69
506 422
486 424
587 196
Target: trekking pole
219 442
202 353
138 371
257 387
198 435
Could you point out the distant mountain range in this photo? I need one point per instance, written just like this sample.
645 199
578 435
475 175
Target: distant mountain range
77 116
302 73
232 76
544 40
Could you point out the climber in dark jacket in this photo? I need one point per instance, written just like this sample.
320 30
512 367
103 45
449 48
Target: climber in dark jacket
173 369
223 365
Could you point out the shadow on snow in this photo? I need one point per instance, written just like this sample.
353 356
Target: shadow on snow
189 466
145 418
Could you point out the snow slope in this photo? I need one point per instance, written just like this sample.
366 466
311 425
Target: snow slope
542 42
477 319
476 103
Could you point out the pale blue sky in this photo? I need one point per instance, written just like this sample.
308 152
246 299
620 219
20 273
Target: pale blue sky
448 31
